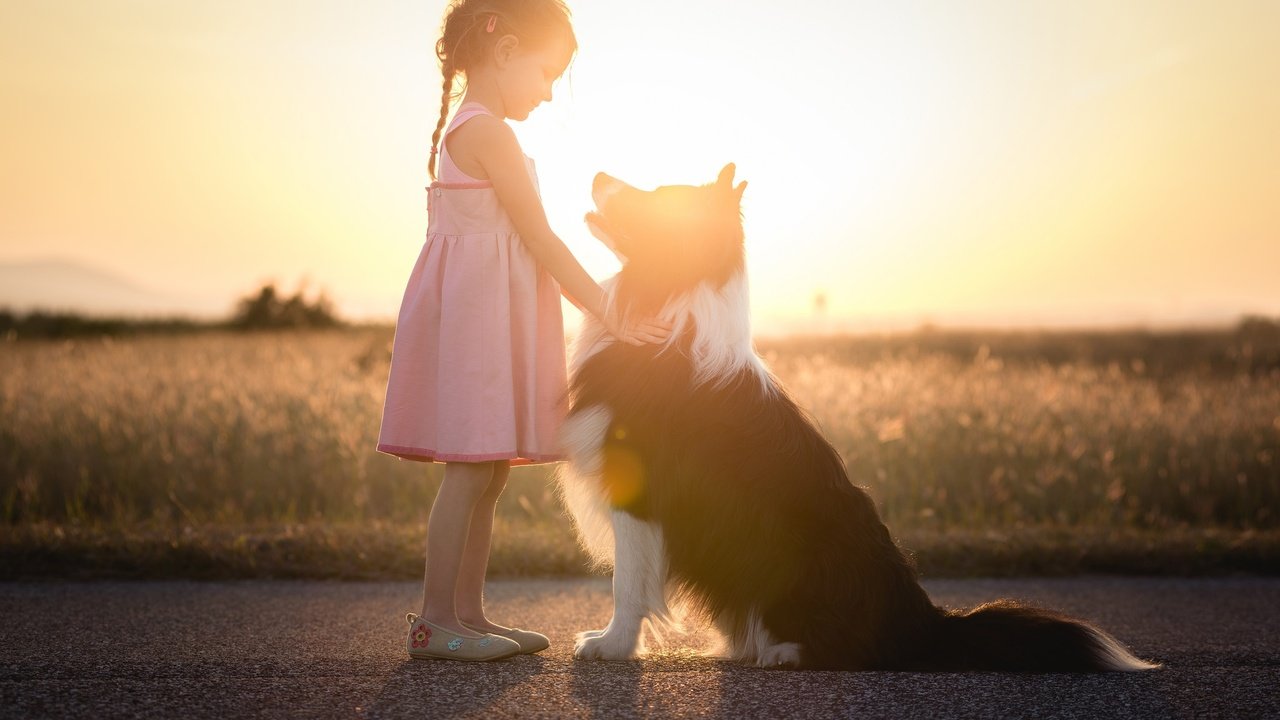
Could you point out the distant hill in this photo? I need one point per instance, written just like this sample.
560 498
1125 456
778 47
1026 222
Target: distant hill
57 284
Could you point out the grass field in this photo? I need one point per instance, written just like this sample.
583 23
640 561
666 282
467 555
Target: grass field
241 450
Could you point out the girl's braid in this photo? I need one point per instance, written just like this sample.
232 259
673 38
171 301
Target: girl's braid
445 97
453 57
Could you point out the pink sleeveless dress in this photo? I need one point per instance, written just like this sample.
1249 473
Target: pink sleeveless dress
478 367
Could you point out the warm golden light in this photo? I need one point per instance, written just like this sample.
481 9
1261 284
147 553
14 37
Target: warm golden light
1005 164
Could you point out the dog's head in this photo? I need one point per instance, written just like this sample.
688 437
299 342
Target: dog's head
670 239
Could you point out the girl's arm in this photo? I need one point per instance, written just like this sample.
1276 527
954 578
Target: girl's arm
496 149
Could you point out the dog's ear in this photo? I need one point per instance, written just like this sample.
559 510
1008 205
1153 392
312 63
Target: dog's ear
726 176
738 190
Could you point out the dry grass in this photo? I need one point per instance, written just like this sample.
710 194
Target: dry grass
128 446
981 442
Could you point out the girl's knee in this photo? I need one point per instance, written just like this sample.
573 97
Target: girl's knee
469 479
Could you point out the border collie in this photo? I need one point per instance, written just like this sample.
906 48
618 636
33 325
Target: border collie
701 481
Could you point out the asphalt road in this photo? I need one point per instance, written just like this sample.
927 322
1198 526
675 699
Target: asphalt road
319 649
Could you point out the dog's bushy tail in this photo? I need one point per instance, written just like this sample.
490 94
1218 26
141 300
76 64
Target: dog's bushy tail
1009 636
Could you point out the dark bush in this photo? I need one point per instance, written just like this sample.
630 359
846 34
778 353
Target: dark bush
268 309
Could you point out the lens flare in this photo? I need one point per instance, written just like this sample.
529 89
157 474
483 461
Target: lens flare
623 472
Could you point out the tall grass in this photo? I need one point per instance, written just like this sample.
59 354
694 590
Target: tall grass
225 427
222 427
982 443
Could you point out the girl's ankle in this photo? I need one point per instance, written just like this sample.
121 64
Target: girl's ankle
484 625
452 624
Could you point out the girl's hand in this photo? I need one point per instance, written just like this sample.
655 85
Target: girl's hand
637 331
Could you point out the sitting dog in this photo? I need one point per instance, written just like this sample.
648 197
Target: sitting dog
695 474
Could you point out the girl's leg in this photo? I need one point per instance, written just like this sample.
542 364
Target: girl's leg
475 559
447 530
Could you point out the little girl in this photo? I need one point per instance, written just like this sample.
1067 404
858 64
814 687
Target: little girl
478 376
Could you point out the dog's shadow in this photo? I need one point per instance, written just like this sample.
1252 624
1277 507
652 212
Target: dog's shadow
642 688
609 689
448 688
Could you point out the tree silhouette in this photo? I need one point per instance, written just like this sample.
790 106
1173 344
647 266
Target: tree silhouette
269 309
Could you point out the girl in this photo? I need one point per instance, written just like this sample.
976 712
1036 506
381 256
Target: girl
478 375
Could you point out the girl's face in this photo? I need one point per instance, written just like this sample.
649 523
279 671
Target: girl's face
526 76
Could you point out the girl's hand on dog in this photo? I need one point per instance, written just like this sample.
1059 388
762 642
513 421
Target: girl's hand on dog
637 330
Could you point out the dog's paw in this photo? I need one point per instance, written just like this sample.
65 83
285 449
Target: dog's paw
602 645
780 655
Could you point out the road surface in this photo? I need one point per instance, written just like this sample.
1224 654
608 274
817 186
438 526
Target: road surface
333 649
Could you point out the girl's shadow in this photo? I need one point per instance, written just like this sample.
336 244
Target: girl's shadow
448 688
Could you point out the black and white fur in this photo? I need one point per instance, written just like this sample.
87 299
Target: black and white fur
697 477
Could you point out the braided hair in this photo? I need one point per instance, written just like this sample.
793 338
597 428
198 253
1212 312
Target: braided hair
472 27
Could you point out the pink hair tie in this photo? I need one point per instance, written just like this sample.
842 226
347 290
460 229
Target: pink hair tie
493 22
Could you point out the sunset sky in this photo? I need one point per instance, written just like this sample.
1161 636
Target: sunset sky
961 163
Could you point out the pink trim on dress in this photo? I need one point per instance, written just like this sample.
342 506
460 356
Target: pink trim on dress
427 455
477 185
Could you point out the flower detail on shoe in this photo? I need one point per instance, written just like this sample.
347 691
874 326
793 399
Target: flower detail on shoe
484 642
455 643
421 635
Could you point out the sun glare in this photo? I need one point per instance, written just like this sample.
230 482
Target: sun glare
906 163
825 163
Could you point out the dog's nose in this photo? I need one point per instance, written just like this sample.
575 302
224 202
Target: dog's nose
602 187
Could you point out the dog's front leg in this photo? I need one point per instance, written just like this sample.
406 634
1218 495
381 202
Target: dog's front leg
639 579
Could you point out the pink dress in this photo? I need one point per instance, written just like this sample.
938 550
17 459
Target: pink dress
478 362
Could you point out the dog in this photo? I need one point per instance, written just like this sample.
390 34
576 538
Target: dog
705 486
